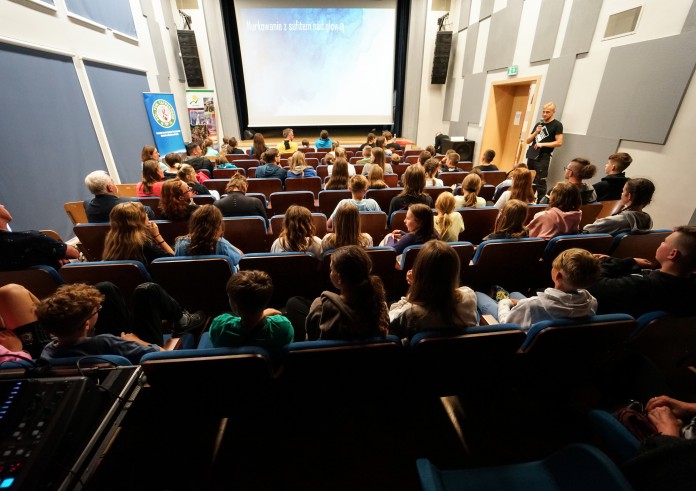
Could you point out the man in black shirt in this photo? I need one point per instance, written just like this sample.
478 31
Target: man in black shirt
547 135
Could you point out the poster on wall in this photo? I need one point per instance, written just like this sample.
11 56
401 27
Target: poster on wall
161 111
201 110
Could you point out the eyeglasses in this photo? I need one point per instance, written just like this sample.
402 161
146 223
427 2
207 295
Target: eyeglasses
99 309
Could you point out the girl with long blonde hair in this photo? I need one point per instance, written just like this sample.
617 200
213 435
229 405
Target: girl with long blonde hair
346 232
448 223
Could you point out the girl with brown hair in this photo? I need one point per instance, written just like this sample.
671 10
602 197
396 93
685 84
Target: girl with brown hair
346 225
414 183
339 175
510 221
563 215
471 187
206 236
520 189
151 184
258 146
188 175
376 178
298 232
175 203
377 159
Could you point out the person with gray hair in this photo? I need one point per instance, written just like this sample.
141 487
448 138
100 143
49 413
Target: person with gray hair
102 186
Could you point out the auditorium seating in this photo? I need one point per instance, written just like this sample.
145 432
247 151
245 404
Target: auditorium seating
494 177
245 163
452 178
590 211
91 236
126 275
265 186
126 190
227 173
318 219
232 158
42 281
391 180
328 199
312 184
375 224
595 243
76 211
478 223
514 264
218 185
248 234
533 209
434 192
383 196
281 201
638 244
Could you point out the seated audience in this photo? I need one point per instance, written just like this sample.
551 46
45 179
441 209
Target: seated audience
258 147
571 272
21 250
206 236
104 190
298 233
391 140
432 169
424 156
358 188
22 338
175 202
287 145
222 163
420 229
150 152
232 147
395 159
669 415
339 173
636 195
236 203
207 148
360 310
510 222
376 178
188 175
370 141
435 300
377 159
451 161
346 229
272 166
195 158
172 162
471 187
11 347
305 143
448 223
340 154
299 166
153 176
252 323
133 237
624 287
563 215
367 156
487 161
577 170
520 189
324 141
507 182
611 186
414 183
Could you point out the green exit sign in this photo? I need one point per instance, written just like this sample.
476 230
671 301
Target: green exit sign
512 71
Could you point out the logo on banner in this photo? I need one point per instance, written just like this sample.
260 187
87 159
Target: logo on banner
164 113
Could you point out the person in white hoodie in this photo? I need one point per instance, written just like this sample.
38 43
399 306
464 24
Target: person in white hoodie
572 271
563 215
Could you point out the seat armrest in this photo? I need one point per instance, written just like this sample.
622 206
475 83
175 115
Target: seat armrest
488 320
172 344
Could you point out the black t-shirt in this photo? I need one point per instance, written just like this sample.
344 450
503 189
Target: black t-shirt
19 250
547 134
402 202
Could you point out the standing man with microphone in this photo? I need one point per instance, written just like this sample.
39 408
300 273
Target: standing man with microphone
547 135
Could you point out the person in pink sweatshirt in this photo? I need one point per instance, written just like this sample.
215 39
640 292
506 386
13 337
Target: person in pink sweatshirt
563 215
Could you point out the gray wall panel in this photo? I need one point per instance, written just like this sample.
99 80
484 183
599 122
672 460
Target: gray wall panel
470 49
502 36
557 82
464 13
451 81
486 9
153 28
472 98
581 26
642 88
690 23
594 148
546 30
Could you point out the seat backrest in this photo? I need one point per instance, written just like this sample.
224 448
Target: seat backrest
91 236
434 192
494 177
126 190
153 203
204 199
391 180
248 234
590 211
487 192
246 163
532 210
667 340
233 157
171 230
127 275
312 184
595 243
399 169
478 223
177 275
638 244
266 186
328 200
281 201
396 221
412 158
383 197
515 264
318 219
42 281
375 224
465 251
609 208
451 178
227 173
218 185
465 165
76 211
322 171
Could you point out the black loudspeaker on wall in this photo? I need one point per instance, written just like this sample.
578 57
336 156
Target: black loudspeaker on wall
248 135
465 148
189 56
443 46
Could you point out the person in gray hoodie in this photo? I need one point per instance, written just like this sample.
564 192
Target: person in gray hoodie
571 272
636 195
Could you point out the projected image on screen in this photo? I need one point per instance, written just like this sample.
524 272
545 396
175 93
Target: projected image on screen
315 66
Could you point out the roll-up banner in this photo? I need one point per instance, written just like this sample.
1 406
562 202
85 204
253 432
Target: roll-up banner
161 111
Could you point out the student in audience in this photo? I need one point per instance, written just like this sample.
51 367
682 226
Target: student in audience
520 189
487 161
367 156
76 311
435 300
577 170
563 215
329 159
172 162
272 166
252 323
21 250
258 146
188 175
452 158
358 188
339 173
22 338
222 163
324 141
11 347
340 153
414 183
207 148
432 169
611 186
471 187
153 176
448 223
391 140
510 221
624 287
305 143
370 141
669 415
175 202
334 147
395 159
133 237
298 232
104 190
636 195
346 229
195 158
424 156
150 152
377 159
299 166
507 182
287 145
237 204
420 228
205 236
360 310
572 271
381 142
224 146
376 178
431 149
232 147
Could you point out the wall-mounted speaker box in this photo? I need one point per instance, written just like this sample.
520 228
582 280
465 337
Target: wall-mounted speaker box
465 148
189 56
443 46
